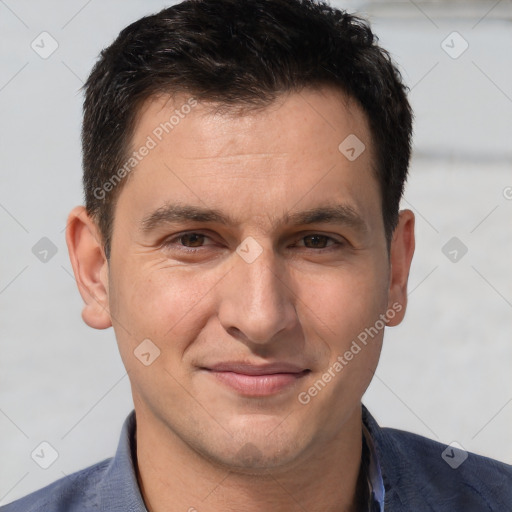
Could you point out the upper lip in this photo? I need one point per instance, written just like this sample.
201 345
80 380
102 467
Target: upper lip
254 369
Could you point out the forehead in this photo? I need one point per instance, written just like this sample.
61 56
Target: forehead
206 129
255 161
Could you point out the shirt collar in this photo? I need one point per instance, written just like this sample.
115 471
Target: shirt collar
119 487
375 481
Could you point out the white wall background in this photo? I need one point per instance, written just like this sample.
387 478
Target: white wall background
444 373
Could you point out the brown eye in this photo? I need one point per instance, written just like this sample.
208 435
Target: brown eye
192 239
316 241
187 242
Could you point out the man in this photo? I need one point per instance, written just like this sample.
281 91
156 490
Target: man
243 168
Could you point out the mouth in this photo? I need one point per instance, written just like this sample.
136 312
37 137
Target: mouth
257 380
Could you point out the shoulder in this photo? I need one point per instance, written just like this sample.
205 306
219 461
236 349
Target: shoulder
72 493
427 455
108 485
447 475
423 474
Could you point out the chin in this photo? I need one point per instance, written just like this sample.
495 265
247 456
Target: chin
256 459
261 446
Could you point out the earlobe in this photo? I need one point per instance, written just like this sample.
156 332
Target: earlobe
402 250
89 266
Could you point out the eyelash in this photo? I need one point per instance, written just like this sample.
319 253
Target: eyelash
171 242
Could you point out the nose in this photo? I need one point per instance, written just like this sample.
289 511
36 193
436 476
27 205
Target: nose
256 302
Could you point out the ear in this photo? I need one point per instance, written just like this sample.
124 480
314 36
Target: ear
90 267
401 252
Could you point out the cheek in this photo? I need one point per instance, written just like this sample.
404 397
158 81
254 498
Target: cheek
162 304
345 301
345 310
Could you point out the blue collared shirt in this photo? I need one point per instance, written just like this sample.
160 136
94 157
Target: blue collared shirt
406 472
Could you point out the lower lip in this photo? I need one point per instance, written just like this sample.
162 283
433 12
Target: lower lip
258 385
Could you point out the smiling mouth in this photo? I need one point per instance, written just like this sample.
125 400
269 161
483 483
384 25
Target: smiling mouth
257 381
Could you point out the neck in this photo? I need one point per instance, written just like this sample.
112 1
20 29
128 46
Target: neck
173 476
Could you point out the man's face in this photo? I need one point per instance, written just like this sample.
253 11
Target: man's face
257 289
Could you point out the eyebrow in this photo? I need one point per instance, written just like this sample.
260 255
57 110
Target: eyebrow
171 213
